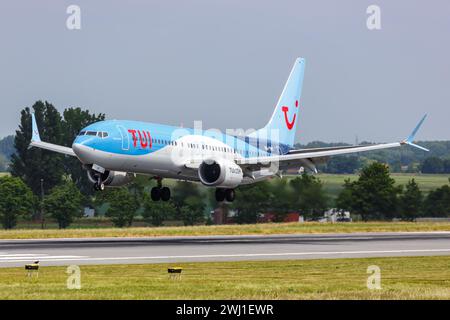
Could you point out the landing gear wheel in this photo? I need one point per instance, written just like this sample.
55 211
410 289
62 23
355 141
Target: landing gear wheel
220 194
165 194
155 194
229 195
99 187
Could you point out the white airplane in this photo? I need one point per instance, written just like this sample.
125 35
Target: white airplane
114 151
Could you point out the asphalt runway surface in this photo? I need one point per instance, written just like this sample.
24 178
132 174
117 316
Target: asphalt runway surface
55 252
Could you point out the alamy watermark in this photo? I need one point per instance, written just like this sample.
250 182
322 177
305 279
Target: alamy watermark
73 21
373 21
374 280
74 279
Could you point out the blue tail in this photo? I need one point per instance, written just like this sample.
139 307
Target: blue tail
283 123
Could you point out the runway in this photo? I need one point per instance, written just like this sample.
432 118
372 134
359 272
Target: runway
54 252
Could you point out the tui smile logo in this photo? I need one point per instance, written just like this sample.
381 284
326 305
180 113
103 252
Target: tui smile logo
285 109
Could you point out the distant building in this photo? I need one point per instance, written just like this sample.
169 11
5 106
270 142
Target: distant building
89 212
289 217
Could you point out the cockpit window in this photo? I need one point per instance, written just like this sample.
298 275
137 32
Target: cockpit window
102 134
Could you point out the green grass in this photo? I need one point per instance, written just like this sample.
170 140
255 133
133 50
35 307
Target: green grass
250 229
401 278
333 182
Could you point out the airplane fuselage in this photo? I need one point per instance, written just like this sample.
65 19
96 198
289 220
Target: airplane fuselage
165 151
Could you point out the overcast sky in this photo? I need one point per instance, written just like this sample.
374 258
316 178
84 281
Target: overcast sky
226 62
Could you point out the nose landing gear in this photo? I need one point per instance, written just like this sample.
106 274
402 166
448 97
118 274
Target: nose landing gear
99 185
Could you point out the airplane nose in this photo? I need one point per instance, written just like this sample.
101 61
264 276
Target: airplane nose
83 152
76 147
79 149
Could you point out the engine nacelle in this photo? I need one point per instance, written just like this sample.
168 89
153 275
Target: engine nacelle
220 173
111 178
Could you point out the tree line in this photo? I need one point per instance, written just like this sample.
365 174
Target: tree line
373 196
64 203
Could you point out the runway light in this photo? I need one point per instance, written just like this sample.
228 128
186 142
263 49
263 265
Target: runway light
175 272
32 268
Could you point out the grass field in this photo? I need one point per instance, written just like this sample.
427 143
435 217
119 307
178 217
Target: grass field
401 278
250 229
427 182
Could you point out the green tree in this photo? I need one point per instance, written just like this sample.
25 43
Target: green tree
32 165
446 165
192 211
344 200
122 206
3 163
373 196
411 201
343 164
7 147
184 193
311 199
251 200
156 212
282 198
437 203
183 190
140 189
63 203
433 165
15 200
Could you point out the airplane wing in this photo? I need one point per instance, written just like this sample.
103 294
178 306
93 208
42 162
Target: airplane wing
36 141
308 157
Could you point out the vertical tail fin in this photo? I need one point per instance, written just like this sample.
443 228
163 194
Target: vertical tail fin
283 122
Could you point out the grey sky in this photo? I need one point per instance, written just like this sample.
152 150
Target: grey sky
225 62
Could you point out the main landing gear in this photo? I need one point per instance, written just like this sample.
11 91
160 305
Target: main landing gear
225 194
159 192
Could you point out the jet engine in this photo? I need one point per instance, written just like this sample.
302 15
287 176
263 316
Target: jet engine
220 173
110 178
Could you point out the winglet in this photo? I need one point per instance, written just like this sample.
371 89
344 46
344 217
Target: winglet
412 136
35 131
